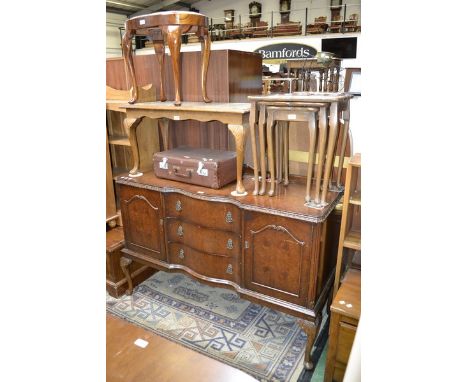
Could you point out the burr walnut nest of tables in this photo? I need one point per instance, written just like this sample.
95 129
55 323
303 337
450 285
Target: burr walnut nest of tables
167 27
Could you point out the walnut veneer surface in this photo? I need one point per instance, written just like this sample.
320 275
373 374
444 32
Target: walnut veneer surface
270 250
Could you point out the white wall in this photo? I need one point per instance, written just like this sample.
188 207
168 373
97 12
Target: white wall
113 21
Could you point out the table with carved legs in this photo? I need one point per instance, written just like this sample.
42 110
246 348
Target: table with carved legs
235 115
167 27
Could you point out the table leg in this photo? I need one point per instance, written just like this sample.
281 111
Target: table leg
323 127
128 59
278 131
125 264
252 121
343 145
164 126
130 125
311 161
311 329
174 35
330 149
204 36
239 132
271 161
286 153
160 51
261 136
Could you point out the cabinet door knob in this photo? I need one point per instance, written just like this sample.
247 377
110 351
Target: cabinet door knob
229 217
229 269
180 231
229 244
178 205
181 253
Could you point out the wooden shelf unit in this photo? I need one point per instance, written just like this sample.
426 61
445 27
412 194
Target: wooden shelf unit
350 231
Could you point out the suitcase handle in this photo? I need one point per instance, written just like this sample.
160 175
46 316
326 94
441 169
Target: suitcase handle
177 173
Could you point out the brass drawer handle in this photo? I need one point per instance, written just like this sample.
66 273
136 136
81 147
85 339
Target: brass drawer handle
229 217
229 269
230 244
178 205
180 231
181 253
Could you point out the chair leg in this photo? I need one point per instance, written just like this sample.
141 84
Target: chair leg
159 51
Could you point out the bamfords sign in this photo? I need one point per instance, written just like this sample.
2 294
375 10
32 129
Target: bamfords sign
286 51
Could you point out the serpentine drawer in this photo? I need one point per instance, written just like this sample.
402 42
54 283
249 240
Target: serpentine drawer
212 266
222 216
203 239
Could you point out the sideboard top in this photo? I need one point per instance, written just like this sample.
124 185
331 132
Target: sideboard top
288 201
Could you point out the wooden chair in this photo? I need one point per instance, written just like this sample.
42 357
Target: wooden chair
319 26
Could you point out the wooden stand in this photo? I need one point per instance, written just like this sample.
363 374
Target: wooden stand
350 232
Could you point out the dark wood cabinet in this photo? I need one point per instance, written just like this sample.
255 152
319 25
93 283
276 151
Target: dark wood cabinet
279 256
145 231
273 251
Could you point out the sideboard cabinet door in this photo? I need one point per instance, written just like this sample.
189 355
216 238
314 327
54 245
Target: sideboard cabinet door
142 221
277 256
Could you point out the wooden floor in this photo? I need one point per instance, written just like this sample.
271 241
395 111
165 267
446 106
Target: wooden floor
161 360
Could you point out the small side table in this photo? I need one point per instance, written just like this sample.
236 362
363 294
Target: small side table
167 27
344 318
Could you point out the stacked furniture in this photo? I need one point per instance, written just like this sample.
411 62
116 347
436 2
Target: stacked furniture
290 28
319 26
333 123
328 72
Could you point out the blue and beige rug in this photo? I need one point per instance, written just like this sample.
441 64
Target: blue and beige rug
264 343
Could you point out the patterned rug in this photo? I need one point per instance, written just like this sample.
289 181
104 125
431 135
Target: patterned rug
264 343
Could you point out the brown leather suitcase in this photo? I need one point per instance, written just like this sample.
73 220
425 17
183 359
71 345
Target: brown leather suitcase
203 167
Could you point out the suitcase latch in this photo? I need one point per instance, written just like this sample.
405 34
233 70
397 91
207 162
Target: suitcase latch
202 171
164 165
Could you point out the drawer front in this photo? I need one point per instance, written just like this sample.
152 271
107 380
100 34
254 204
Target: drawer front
142 221
212 266
206 240
346 334
223 216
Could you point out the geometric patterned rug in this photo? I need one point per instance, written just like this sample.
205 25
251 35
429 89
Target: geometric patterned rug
262 342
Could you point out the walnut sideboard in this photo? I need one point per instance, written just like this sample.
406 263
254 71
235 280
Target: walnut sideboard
271 251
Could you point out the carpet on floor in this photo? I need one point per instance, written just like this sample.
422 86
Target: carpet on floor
265 343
